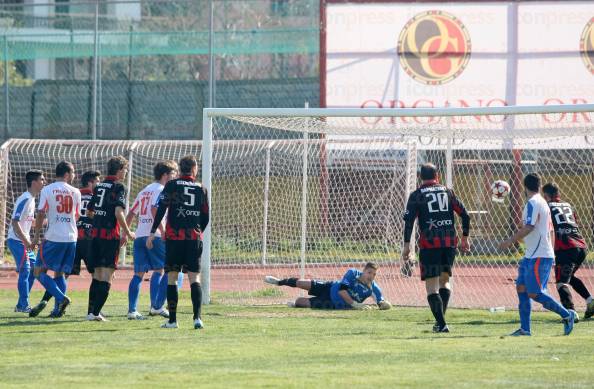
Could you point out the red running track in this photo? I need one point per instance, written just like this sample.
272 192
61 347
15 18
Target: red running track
474 286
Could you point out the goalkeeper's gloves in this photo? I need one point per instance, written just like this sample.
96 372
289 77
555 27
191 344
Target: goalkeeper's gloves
360 306
383 305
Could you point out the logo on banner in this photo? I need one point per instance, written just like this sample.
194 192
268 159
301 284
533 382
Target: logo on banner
434 47
587 45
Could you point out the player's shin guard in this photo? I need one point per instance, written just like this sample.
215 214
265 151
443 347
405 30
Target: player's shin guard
172 297
579 287
47 296
196 290
565 297
92 296
445 294
162 293
50 285
31 279
62 285
292 282
525 309
133 293
436 306
551 304
23 288
101 296
154 288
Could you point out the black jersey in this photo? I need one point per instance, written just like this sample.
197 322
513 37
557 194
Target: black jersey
567 232
186 204
84 223
434 205
107 196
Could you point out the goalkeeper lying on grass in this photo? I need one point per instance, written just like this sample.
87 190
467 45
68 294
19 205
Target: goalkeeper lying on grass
350 292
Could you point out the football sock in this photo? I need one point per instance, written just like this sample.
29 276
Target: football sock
62 285
50 285
196 291
445 294
172 302
133 293
92 296
154 287
292 282
579 287
436 306
525 309
551 304
31 279
46 296
565 297
180 280
23 288
162 293
101 296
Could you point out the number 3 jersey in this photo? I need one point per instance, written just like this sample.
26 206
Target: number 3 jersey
434 205
107 196
186 204
567 232
61 203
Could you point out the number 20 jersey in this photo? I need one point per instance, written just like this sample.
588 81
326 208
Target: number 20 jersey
434 205
61 203
567 232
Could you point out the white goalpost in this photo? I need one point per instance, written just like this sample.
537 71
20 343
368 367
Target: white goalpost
313 192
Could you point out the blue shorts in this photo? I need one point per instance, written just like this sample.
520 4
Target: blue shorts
23 259
534 274
56 256
145 259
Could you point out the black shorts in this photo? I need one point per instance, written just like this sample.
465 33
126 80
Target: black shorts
83 250
321 292
104 253
436 261
567 262
183 255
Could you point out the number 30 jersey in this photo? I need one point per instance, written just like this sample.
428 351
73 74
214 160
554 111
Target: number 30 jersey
567 232
186 204
61 203
434 205
107 196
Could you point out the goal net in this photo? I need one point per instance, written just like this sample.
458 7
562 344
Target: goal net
313 192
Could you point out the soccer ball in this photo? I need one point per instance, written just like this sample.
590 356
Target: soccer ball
499 190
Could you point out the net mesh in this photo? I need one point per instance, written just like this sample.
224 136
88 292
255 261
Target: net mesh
269 218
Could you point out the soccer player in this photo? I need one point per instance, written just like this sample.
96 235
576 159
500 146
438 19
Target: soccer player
88 181
570 250
107 208
534 269
19 242
434 206
186 204
145 259
354 288
60 202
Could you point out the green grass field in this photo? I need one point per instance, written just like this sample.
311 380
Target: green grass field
284 347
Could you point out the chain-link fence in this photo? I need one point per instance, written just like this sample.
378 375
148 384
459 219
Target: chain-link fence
141 69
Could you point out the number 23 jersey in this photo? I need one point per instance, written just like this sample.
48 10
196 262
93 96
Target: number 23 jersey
61 203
